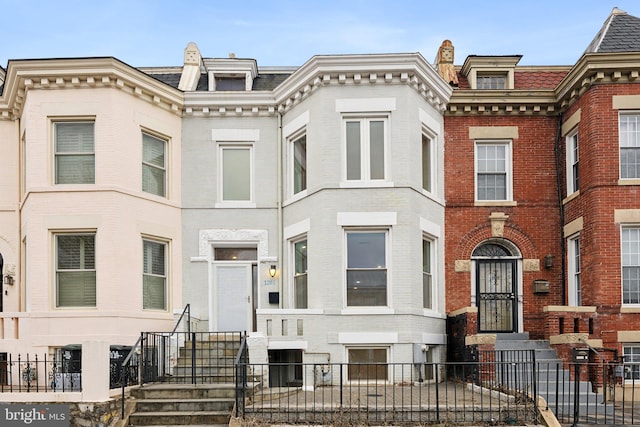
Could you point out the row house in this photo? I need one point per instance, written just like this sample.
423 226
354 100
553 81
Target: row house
357 208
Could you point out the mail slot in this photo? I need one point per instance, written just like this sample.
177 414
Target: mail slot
580 355
541 287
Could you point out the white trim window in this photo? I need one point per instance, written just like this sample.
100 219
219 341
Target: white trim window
428 291
154 166
236 173
629 134
300 284
631 359
573 163
575 284
298 144
366 148
75 270
366 273
493 170
368 364
428 162
74 149
631 265
154 275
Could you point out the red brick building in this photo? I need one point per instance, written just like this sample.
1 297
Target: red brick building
542 183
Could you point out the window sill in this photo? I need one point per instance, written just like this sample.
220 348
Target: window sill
235 205
288 311
570 197
628 181
630 309
296 197
366 311
365 184
428 312
495 203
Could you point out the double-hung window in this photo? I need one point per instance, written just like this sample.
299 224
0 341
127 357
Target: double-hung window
154 170
573 159
366 268
236 173
631 359
493 170
75 270
74 152
154 275
428 156
491 81
366 148
427 276
629 134
575 287
299 163
631 265
300 274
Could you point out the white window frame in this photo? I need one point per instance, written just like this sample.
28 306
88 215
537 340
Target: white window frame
433 276
493 78
363 230
60 154
432 161
292 247
574 267
164 276
631 141
236 203
365 149
293 139
630 257
631 362
58 270
163 168
573 162
372 347
507 143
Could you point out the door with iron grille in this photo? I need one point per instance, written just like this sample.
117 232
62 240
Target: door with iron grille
496 293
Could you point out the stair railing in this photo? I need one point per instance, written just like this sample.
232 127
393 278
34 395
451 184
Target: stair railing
241 366
125 367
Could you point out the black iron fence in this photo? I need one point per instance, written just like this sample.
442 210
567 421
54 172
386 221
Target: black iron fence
40 374
375 393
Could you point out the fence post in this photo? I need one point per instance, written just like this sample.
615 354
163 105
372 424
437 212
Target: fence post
193 358
576 397
341 385
437 394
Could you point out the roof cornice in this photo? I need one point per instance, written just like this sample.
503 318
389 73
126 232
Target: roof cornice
77 73
502 102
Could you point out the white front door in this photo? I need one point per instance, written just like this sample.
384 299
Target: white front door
232 305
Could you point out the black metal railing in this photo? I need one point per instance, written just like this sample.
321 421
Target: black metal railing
33 374
241 378
388 393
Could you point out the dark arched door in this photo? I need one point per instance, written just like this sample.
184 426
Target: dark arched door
496 289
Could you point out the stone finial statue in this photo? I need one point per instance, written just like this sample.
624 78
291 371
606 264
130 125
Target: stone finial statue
445 65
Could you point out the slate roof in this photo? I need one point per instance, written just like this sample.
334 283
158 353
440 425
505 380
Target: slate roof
619 33
172 79
262 82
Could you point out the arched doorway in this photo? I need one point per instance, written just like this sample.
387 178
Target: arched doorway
496 286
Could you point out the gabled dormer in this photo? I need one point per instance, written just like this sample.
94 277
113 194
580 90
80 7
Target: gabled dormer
230 74
490 72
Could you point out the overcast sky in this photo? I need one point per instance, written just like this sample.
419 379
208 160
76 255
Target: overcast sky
290 32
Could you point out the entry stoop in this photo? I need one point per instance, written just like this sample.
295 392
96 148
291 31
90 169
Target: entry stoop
183 404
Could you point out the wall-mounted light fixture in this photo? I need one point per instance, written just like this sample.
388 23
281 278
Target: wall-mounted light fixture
548 261
8 280
272 270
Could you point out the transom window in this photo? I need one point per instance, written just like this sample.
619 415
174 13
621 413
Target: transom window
235 254
366 268
629 146
236 176
300 274
631 265
75 270
491 81
154 169
154 275
493 170
74 153
366 147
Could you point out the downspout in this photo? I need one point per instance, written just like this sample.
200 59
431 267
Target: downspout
563 293
279 201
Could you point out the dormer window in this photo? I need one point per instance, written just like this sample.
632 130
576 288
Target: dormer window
491 81
230 83
490 72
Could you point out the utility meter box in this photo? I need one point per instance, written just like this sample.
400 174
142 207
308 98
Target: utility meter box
541 287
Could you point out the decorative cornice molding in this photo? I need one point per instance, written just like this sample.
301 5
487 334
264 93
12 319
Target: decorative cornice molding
25 75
